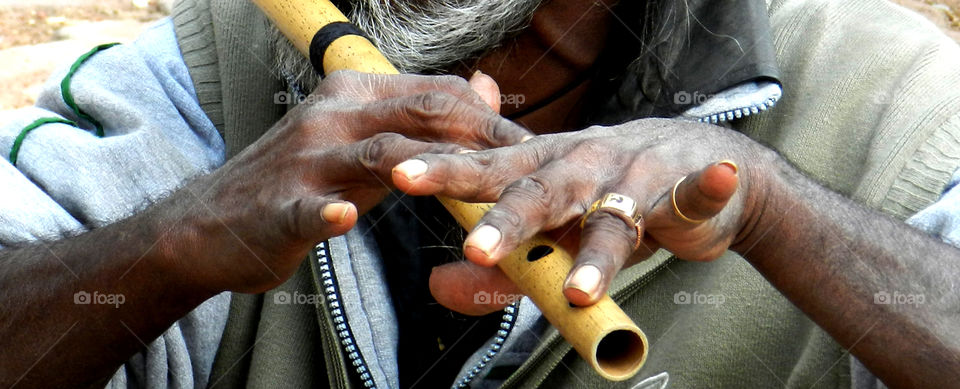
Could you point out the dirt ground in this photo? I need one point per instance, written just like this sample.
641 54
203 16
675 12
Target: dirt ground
39 36
943 13
27 25
35 29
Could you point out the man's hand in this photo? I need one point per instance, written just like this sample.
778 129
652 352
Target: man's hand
309 177
549 182
244 228
828 255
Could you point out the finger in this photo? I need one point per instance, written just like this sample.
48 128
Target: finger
487 88
471 289
701 198
704 194
368 87
372 160
472 177
544 200
607 242
438 116
313 219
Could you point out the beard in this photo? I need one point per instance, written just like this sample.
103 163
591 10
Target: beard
419 36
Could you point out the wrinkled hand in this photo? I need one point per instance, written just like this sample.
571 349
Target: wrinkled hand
549 182
327 161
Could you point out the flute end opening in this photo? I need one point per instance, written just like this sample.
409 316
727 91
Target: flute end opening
621 353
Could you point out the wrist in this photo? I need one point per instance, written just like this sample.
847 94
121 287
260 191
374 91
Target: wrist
178 252
766 205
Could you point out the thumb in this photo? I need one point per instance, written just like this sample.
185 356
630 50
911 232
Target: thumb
679 220
703 194
314 218
487 88
471 289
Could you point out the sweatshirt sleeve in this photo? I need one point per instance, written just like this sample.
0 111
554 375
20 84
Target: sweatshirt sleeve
118 130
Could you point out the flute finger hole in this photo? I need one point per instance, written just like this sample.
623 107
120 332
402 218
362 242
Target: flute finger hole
538 252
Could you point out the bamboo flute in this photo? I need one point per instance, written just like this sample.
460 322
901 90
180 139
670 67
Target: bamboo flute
602 333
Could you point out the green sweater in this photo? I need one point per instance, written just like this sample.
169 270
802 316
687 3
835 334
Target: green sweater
871 108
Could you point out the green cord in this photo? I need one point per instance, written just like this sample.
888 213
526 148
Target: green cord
15 150
65 87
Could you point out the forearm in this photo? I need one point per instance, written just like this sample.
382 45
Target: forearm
246 227
880 288
76 309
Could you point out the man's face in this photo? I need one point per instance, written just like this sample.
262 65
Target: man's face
426 36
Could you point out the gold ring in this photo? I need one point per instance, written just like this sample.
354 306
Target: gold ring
676 209
622 207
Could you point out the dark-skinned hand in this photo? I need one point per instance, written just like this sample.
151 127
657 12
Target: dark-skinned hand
327 161
548 183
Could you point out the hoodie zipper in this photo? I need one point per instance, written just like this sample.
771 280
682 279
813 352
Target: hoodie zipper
556 340
331 294
507 324
738 113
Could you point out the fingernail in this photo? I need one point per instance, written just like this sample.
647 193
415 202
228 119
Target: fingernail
526 138
731 165
586 279
466 151
486 239
411 169
335 212
476 73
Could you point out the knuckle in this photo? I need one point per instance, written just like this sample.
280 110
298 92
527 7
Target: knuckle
432 106
375 149
493 178
483 182
294 223
528 188
497 131
483 160
505 218
532 194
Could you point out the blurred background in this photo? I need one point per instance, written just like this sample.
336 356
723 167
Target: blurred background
38 36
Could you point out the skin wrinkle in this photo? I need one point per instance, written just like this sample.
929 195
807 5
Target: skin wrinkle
825 253
833 295
815 252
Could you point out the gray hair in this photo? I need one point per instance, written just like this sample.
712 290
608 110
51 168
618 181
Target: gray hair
421 36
